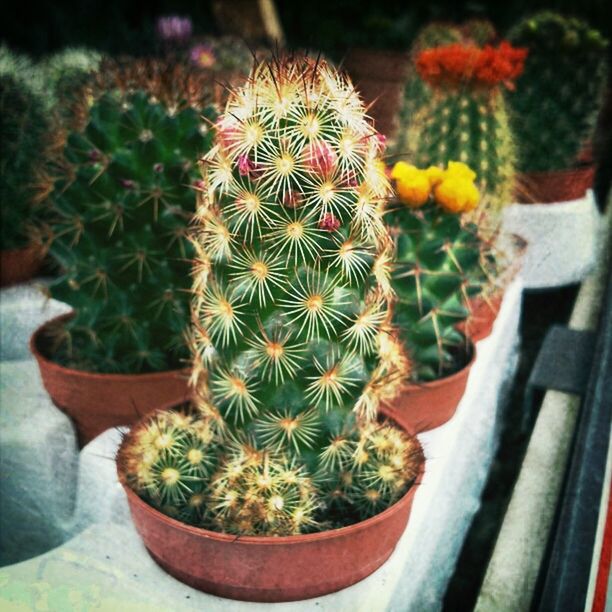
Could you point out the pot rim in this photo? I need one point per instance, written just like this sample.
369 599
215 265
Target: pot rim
251 540
445 380
581 169
52 365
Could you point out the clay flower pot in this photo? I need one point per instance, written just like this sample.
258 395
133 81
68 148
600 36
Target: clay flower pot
269 569
97 402
480 323
380 77
555 186
20 265
423 406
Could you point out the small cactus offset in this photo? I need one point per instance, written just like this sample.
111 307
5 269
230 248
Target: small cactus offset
24 127
442 262
120 213
169 463
556 100
466 118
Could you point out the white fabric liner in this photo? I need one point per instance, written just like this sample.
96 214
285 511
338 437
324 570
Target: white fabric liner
51 494
563 240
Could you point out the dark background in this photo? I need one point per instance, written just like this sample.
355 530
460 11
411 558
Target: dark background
333 26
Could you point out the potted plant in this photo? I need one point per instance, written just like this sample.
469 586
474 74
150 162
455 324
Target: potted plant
119 216
290 486
555 104
462 114
23 184
441 264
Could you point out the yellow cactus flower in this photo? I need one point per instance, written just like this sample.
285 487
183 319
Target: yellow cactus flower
435 175
412 185
456 194
459 169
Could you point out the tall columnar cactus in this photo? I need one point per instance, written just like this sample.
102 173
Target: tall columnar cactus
23 155
557 98
291 275
442 262
121 210
290 326
466 118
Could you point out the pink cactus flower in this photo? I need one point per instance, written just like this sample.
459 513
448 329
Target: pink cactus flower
320 157
203 55
247 167
329 222
228 134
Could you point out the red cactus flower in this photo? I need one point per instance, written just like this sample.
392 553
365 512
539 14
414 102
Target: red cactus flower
292 199
247 167
329 222
458 63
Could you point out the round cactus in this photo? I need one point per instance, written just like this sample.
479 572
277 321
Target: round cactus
556 100
441 262
368 471
120 214
24 127
169 463
259 493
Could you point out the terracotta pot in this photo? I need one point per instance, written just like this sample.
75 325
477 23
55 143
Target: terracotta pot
555 186
380 77
424 406
97 402
20 265
484 312
269 569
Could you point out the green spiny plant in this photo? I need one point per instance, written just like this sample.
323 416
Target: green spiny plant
24 127
556 100
441 262
169 462
291 272
121 208
67 74
262 493
462 114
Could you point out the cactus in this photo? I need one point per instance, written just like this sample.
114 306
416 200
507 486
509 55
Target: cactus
292 264
121 209
259 493
442 261
24 127
466 117
66 75
556 100
289 314
169 462
368 472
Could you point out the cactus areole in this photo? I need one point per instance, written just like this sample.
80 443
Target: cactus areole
290 351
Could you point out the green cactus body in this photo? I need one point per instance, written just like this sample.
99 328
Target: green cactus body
556 100
169 462
441 263
469 125
292 266
23 131
120 216
417 93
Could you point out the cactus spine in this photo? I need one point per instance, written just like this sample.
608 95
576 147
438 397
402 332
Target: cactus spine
121 209
557 98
